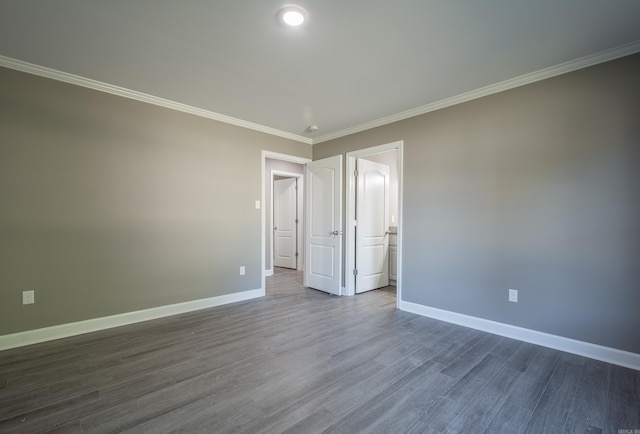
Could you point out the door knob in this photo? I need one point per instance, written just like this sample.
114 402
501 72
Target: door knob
336 233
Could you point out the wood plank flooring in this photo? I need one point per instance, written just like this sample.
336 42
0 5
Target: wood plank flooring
302 361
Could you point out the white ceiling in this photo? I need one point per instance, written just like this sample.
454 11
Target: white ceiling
355 64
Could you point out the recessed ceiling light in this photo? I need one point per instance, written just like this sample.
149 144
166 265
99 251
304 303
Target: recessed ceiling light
292 15
293 18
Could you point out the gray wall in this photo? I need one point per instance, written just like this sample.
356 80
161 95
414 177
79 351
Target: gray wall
536 189
110 205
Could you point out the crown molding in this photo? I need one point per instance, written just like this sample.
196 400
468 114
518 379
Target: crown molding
563 68
77 80
542 74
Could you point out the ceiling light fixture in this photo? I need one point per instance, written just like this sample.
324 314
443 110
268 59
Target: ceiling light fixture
292 15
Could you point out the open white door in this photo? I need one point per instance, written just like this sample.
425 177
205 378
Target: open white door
323 230
284 222
372 214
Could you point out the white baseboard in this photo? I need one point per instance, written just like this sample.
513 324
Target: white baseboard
91 325
268 273
586 349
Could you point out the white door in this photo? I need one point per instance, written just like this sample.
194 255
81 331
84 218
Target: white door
284 222
323 228
372 214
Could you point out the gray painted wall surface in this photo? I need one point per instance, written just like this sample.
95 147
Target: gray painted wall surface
536 189
110 205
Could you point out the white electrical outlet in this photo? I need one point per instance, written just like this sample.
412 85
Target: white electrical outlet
28 297
242 270
513 295
257 204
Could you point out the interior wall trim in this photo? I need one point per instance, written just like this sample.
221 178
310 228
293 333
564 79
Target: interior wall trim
542 74
91 325
65 77
563 68
586 349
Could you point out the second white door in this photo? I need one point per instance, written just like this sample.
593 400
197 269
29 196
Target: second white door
372 215
284 223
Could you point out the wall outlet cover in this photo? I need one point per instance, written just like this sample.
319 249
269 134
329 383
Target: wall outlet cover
28 297
513 295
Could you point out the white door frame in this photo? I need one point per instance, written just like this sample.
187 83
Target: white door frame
299 212
273 156
350 241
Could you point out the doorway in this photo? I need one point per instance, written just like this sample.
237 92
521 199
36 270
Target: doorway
393 229
372 221
349 258
287 216
287 165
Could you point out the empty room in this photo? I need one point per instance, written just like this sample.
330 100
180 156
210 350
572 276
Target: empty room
320 216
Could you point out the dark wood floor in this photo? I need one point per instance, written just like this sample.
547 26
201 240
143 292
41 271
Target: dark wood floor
303 361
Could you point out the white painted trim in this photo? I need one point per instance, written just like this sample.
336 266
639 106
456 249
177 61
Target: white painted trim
77 80
351 213
542 74
400 235
269 272
586 349
285 174
285 157
91 325
349 230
